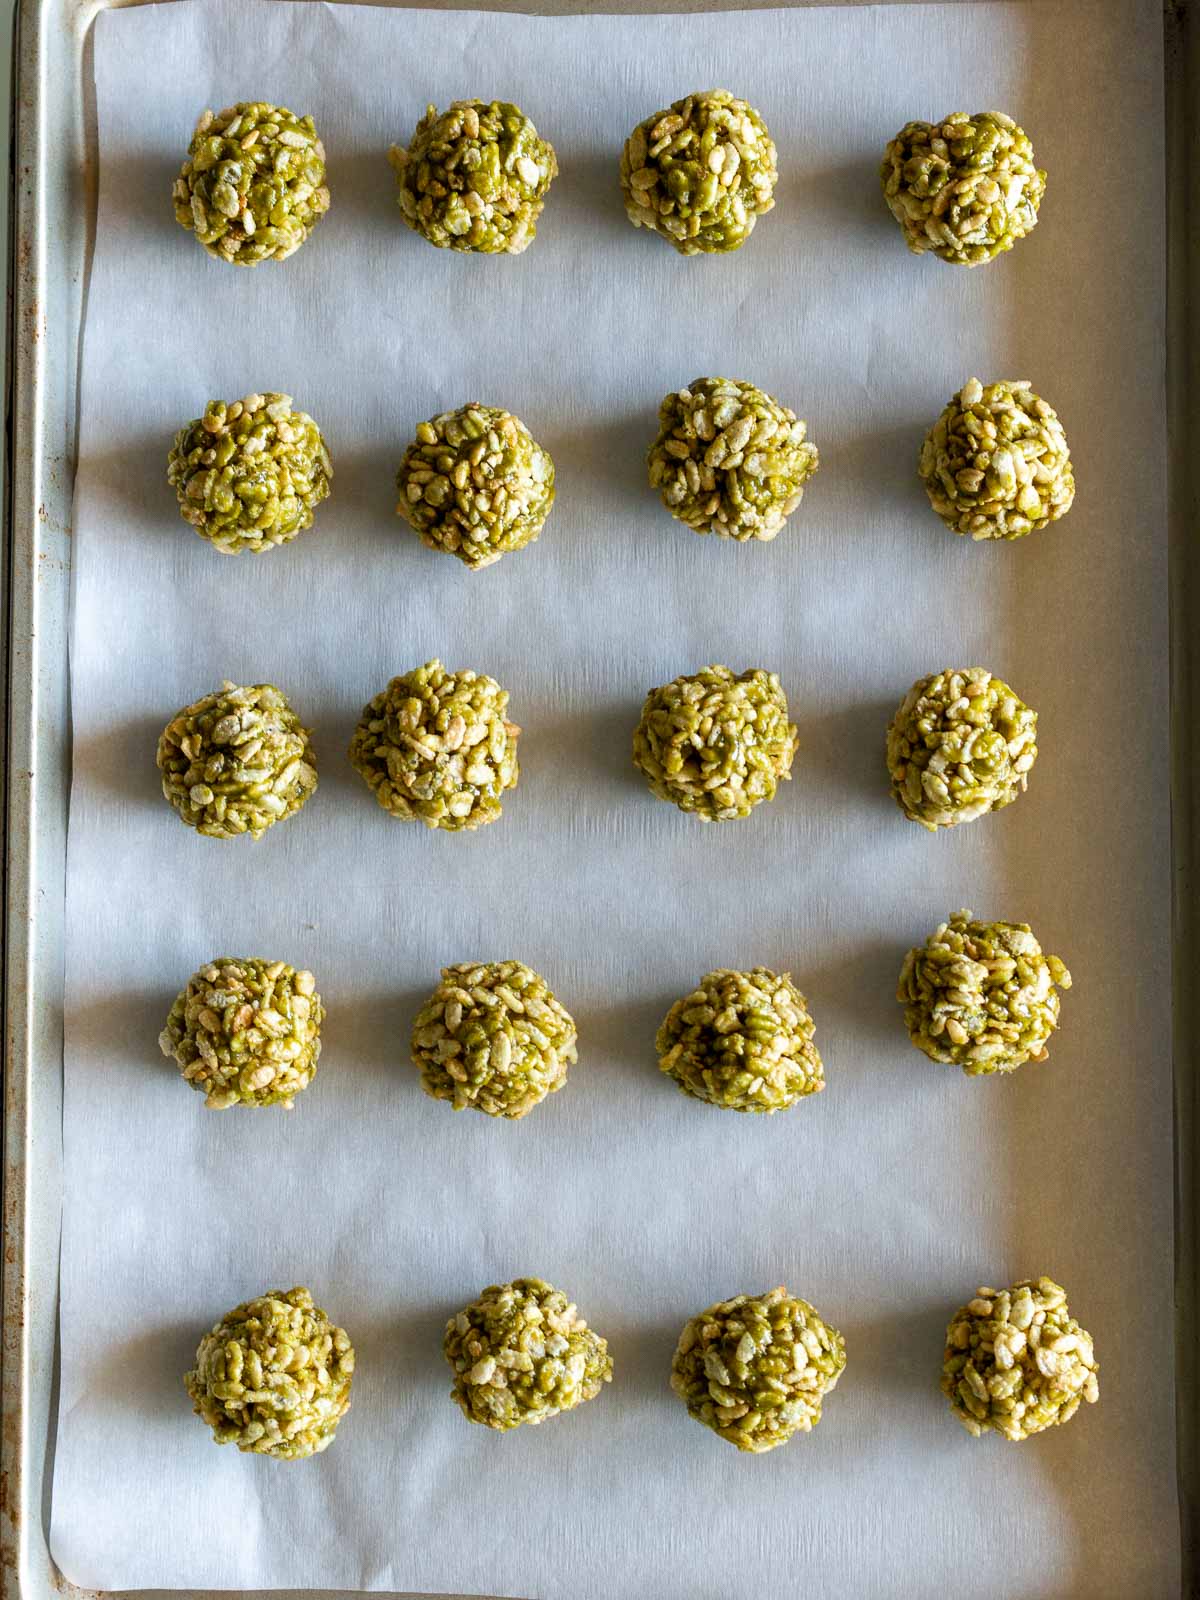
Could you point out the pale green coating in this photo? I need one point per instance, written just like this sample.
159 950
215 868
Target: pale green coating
755 1369
492 1036
742 1041
437 747
995 464
981 995
253 186
729 459
960 745
1017 1362
237 761
475 177
714 744
965 188
249 474
246 1032
522 1353
475 483
273 1377
700 173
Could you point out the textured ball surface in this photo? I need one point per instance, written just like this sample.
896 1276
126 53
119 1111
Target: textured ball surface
492 1036
521 1353
437 747
742 1041
700 173
475 483
475 177
273 1377
756 1368
253 186
960 745
730 460
965 188
1017 1362
981 995
237 761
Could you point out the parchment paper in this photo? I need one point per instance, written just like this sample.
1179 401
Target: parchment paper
891 1196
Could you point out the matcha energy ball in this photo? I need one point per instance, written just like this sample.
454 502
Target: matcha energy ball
475 177
522 1353
965 188
249 475
995 464
715 744
730 460
237 761
437 747
742 1041
246 1032
960 745
253 186
476 484
493 1037
1017 1362
981 995
700 173
755 1369
273 1377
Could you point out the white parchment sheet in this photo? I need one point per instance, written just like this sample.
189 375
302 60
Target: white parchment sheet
890 1197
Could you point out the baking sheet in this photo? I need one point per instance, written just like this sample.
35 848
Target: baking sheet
884 1201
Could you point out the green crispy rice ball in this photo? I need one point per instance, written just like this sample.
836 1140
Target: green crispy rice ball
960 745
475 483
700 173
729 459
965 188
981 995
475 177
755 1369
1017 1362
237 761
522 1353
253 186
273 1377
246 1032
437 747
714 744
492 1036
249 474
995 464
742 1041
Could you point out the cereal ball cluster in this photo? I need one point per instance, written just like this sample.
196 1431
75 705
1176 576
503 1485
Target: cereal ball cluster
742 1041
237 761
273 1377
701 173
249 475
246 1032
995 464
755 1369
714 744
1017 1362
981 995
965 188
475 177
960 745
492 1036
475 483
730 460
436 747
522 1353
253 186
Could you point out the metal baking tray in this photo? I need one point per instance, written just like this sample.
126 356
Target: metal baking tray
52 184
